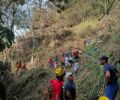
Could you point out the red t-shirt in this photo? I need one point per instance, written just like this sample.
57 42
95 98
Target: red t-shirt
57 88
18 66
50 60
76 53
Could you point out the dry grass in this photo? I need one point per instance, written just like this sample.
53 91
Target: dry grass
80 28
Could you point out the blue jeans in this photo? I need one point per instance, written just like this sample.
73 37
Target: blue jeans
111 91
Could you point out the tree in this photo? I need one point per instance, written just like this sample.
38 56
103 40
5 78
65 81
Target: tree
59 4
6 35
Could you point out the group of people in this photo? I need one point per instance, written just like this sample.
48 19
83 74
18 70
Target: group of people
65 60
58 90
20 65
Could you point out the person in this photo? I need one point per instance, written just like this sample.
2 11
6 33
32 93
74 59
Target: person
51 62
62 60
56 60
69 52
76 54
56 86
3 91
18 66
111 78
76 66
67 63
70 90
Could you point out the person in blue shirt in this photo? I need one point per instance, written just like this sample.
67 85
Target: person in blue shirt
70 90
110 73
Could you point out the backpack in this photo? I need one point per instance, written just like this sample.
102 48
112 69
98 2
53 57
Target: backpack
113 72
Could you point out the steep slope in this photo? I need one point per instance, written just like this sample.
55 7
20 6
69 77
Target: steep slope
30 85
77 26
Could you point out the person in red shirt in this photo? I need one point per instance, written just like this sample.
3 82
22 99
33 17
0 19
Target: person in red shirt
56 88
76 54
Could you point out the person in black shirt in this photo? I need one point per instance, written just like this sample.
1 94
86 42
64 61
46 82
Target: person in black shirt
70 90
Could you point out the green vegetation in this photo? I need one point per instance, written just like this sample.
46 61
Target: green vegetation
6 35
30 84
67 23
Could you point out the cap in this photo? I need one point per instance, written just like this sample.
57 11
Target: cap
59 71
68 74
103 98
103 57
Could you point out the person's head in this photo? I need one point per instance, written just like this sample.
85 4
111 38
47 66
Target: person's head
60 73
69 76
103 60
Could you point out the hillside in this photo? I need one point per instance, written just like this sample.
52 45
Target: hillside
77 27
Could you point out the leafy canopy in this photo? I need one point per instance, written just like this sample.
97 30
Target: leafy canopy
6 35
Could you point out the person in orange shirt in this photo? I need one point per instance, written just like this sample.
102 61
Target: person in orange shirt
18 66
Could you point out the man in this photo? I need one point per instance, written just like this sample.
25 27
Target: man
76 54
70 91
76 66
56 60
62 60
111 78
56 88
69 52
18 66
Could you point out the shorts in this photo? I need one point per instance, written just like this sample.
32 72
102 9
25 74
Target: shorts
111 91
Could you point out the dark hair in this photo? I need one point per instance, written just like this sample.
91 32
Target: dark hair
61 78
105 58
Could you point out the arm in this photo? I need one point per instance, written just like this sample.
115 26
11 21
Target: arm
107 75
68 94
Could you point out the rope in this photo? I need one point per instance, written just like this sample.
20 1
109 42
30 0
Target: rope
108 10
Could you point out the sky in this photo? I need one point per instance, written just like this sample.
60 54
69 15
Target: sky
19 32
